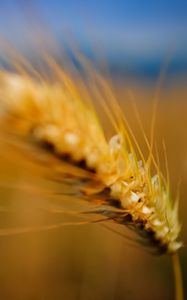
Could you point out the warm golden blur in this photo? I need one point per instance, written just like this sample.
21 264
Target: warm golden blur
90 262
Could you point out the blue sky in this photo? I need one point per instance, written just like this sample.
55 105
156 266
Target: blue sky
132 30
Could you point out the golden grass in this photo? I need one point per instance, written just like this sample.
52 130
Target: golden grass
61 116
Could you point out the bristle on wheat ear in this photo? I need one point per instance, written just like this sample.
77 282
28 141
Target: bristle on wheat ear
60 115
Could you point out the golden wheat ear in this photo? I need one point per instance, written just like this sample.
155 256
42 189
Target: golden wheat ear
59 116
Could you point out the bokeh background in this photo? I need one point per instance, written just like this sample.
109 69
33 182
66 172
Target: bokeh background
143 45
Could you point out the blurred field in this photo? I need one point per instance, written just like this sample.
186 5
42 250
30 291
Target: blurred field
90 262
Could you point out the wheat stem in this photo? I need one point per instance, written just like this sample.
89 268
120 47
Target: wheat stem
177 277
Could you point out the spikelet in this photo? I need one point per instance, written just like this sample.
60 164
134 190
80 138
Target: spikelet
60 115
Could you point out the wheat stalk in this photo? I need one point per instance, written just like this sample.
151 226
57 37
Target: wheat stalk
61 115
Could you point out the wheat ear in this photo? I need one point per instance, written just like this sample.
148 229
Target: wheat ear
61 114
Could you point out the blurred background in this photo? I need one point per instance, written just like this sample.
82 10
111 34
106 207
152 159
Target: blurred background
143 45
